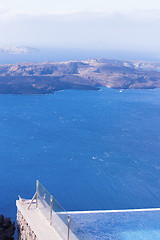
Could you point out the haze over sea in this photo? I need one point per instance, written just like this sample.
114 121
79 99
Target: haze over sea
68 54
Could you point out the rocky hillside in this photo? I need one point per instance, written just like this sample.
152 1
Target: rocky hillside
42 78
7 228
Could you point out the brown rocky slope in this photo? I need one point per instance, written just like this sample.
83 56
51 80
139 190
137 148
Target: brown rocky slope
48 77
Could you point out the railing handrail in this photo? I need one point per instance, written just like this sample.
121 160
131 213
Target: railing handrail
63 211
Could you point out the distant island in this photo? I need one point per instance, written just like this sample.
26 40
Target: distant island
16 50
48 77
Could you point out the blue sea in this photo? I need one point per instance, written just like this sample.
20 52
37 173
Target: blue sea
91 149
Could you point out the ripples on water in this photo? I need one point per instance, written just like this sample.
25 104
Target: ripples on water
90 149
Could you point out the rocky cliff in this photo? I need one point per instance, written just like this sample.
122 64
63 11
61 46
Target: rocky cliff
48 77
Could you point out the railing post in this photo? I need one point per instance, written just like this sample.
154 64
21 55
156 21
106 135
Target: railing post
68 226
51 200
37 193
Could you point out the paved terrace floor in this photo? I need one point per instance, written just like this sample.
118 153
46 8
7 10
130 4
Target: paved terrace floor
37 221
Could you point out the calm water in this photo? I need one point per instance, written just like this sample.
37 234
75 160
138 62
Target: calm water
90 149
120 225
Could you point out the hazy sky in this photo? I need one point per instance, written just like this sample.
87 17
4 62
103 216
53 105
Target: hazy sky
79 5
100 24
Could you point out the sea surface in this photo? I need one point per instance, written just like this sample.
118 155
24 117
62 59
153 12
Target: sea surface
91 149
135 225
